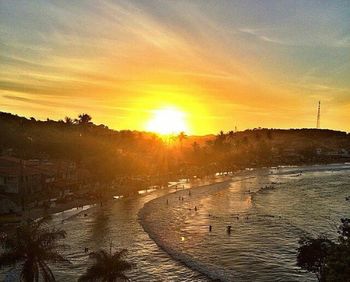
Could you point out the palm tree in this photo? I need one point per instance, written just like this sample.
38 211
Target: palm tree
107 267
32 246
84 118
68 120
182 136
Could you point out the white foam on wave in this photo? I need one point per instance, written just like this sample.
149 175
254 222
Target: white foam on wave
212 271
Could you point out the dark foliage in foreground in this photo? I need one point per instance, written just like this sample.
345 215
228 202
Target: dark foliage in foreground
31 247
107 267
330 261
312 254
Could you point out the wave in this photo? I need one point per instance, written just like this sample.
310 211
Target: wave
211 271
311 168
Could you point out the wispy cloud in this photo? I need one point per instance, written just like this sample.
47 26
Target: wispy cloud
259 33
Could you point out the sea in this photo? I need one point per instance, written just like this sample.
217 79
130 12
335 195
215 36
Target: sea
242 227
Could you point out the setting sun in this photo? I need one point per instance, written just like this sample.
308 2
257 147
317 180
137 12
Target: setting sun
167 121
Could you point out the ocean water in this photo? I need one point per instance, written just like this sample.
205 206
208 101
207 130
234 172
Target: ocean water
268 210
116 225
167 231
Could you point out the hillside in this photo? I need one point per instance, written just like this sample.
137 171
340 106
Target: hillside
107 152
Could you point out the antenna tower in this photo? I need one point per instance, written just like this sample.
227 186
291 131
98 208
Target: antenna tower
318 115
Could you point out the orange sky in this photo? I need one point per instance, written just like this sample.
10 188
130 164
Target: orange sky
222 65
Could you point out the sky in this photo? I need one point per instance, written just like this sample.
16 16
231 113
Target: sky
220 64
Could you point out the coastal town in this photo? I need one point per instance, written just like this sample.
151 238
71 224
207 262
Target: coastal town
39 184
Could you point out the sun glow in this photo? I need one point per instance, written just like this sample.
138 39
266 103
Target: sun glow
167 121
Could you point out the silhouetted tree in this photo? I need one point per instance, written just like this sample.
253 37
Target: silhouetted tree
312 255
107 267
330 261
231 134
33 246
182 136
68 120
220 141
84 118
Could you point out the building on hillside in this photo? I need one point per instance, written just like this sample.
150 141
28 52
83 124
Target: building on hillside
25 177
20 180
